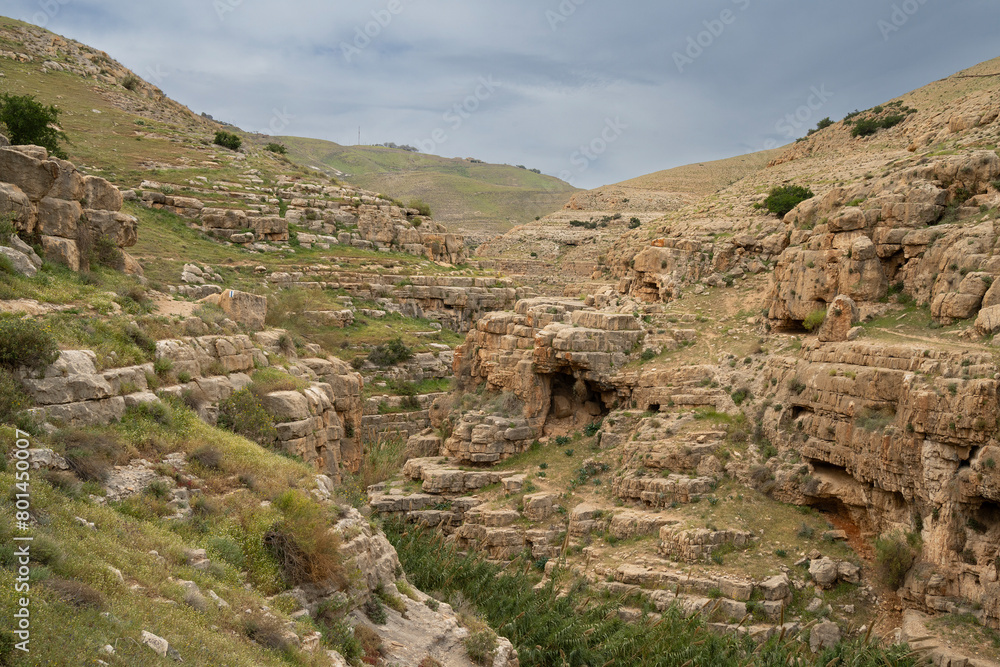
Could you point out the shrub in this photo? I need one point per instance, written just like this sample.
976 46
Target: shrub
13 400
208 456
865 127
741 395
76 593
91 454
647 355
894 558
244 414
814 320
276 148
31 122
105 252
267 631
371 644
391 353
783 199
634 223
25 342
306 548
481 646
375 611
228 140
131 82
422 208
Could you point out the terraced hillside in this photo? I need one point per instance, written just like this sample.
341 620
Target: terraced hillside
476 198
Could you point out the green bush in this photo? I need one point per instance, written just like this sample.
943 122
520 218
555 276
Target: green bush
31 122
422 208
481 646
25 342
105 252
131 82
894 557
784 198
647 355
814 320
391 353
307 551
276 148
13 400
244 414
228 140
865 127
634 223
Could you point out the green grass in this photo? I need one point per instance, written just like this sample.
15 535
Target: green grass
481 196
231 528
566 623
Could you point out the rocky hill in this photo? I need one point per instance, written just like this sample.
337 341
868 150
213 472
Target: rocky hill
267 416
476 198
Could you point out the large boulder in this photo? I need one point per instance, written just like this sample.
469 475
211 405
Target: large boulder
14 202
247 309
100 194
840 317
64 251
21 263
33 176
988 320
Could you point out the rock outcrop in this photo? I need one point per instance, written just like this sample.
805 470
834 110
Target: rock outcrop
68 212
557 356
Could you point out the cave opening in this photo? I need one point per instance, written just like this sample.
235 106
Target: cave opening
576 401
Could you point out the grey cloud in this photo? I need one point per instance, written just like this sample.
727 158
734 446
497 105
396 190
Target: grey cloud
603 61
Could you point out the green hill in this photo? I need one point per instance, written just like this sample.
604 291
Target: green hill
464 195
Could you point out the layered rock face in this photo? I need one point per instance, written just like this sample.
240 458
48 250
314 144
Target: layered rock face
558 356
858 241
68 212
319 423
899 439
456 302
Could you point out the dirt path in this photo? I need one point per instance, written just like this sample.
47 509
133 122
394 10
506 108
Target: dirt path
168 306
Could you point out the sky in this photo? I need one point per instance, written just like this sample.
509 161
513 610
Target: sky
592 91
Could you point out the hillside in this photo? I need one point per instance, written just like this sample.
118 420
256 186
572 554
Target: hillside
267 415
476 198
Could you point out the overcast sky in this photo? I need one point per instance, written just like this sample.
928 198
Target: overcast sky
593 91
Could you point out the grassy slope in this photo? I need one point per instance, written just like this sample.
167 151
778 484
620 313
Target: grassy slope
704 178
126 533
472 196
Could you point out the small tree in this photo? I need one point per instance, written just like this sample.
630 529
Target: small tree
228 140
783 199
28 121
276 148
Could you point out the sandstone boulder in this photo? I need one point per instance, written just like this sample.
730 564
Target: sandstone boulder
100 194
824 572
840 317
247 309
988 321
824 635
21 263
